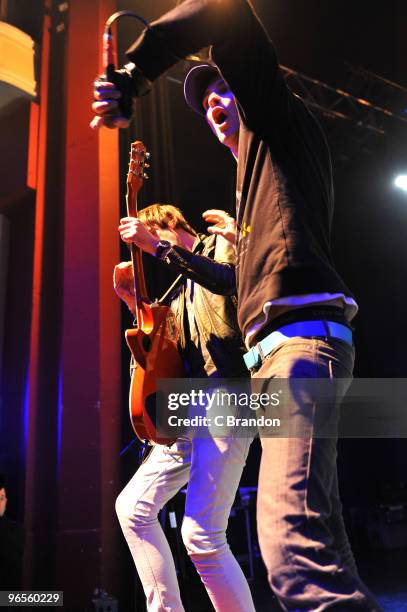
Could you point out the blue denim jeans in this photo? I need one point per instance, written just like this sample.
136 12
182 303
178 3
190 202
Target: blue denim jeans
301 531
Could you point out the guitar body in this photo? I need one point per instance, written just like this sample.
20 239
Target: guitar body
156 356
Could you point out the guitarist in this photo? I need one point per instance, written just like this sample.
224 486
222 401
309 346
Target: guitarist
211 346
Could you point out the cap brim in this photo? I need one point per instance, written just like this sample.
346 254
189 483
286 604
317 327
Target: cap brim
195 84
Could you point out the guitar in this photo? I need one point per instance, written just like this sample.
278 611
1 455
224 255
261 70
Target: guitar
153 341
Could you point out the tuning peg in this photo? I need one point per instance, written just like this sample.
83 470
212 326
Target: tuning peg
146 165
145 175
148 155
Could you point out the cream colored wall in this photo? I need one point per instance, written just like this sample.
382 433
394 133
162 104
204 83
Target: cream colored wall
17 76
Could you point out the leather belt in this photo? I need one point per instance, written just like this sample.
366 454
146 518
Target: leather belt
304 329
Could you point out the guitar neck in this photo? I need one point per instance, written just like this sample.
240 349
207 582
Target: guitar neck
134 183
140 287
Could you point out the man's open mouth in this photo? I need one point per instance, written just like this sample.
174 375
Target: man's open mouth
219 116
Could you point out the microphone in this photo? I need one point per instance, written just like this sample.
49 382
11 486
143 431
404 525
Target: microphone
128 80
125 102
109 50
109 53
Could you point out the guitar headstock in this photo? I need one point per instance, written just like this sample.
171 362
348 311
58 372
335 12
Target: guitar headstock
137 165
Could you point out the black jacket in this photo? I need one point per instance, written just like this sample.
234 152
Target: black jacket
211 342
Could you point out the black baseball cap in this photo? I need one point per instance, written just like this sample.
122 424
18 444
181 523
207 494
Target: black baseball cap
195 84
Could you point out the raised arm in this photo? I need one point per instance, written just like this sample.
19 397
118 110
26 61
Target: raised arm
241 49
218 277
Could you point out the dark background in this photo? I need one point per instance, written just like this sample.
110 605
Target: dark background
329 41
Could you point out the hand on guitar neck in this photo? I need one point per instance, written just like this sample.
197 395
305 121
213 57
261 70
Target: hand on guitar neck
132 229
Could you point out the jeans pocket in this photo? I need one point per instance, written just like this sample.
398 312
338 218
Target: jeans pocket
341 361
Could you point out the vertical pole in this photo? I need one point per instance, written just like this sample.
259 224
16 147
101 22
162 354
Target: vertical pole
90 371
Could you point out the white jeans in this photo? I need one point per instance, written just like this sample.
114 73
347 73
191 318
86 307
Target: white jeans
213 467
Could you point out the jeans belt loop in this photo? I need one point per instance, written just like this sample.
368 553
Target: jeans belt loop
260 351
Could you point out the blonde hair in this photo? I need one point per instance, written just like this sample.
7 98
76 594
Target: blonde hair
164 216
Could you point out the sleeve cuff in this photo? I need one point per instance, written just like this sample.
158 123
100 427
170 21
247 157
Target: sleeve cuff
140 83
